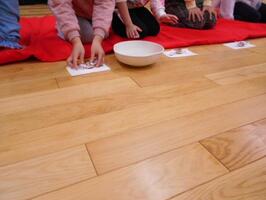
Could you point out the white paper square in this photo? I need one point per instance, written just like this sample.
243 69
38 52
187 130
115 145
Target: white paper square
176 53
239 45
82 70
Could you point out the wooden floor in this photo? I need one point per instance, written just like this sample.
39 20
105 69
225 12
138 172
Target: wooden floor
183 129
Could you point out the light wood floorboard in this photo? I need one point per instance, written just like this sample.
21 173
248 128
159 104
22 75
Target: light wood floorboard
43 174
238 147
154 179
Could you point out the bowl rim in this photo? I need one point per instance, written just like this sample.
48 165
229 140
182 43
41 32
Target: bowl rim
139 41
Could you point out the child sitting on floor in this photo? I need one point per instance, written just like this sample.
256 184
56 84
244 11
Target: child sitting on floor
196 14
134 20
83 21
244 10
9 24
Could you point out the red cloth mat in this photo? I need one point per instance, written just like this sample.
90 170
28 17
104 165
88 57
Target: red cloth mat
40 40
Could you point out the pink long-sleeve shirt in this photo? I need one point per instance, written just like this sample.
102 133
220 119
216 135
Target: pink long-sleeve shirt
227 6
66 12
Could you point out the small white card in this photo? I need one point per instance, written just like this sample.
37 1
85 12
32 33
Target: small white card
179 52
239 45
86 69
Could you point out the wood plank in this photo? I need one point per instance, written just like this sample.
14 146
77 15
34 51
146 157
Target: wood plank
64 95
34 10
40 118
238 147
247 183
44 174
133 146
25 145
239 74
154 179
185 69
26 87
34 70
260 46
84 79
259 42
260 130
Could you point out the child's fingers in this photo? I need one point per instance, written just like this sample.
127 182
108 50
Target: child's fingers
92 57
136 34
132 34
173 16
128 34
69 61
190 16
199 16
81 58
194 15
100 59
210 13
75 61
174 19
139 29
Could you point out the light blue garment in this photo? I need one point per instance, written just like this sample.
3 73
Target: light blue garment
9 24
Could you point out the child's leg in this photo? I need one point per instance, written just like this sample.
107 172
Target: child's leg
245 12
86 30
119 27
262 11
9 25
152 25
179 9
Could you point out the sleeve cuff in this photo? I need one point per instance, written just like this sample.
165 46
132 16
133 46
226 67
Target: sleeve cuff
161 12
191 4
100 32
72 34
207 3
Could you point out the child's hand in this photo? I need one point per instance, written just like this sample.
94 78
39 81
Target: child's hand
133 31
97 52
169 19
194 14
210 10
77 55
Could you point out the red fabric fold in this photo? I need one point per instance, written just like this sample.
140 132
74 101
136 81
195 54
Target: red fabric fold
40 40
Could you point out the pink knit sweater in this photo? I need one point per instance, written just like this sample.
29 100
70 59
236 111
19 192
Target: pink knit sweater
99 11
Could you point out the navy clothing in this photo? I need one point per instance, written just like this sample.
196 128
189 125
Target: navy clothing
245 12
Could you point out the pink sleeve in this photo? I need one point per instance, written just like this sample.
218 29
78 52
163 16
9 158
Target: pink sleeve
216 3
157 7
102 16
66 17
227 9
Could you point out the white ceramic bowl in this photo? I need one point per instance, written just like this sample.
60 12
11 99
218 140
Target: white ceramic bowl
138 52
